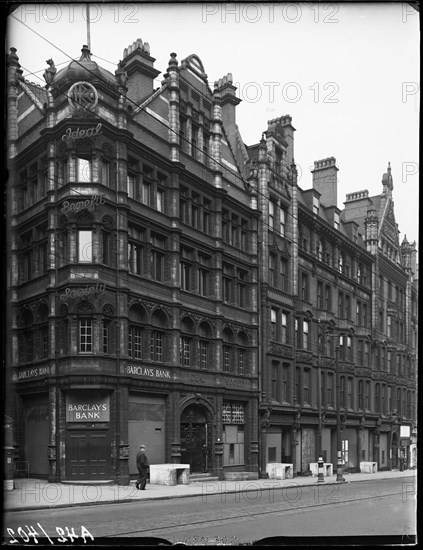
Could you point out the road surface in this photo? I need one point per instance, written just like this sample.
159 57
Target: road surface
381 507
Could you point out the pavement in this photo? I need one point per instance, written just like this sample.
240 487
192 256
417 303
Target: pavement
36 494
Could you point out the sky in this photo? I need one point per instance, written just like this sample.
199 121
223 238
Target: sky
348 74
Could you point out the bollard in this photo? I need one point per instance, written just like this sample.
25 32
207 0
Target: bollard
320 465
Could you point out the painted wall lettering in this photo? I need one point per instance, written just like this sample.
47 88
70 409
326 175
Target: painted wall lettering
33 373
235 382
195 377
148 371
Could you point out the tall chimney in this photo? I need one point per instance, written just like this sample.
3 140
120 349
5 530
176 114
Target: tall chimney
139 66
325 181
229 101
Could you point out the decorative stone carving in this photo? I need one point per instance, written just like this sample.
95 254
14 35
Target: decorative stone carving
50 73
265 418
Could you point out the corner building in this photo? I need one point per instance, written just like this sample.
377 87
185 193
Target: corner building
132 304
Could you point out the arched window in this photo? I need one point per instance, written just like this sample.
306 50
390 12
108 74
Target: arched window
242 353
228 350
63 330
204 345
85 238
43 332
186 347
107 256
84 162
159 324
107 339
26 337
85 328
136 331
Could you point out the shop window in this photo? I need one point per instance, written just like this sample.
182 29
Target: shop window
233 433
345 451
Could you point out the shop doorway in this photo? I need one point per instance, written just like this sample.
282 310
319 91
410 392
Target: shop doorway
195 438
87 455
394 451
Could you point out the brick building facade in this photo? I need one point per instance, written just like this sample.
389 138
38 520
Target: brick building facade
132 304
169 285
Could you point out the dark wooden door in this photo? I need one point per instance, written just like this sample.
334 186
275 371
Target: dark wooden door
195 438
88 455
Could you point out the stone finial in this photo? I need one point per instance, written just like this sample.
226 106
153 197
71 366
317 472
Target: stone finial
173 63
12 58
49 73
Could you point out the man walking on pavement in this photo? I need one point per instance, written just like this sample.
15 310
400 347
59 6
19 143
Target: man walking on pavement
143 468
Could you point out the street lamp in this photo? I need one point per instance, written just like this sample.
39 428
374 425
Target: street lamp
328 330
339 469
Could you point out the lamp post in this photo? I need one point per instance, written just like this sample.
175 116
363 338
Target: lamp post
339 469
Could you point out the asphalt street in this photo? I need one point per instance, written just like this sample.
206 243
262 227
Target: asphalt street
382 507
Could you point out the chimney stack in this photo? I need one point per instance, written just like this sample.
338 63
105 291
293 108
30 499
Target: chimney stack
325 181
139 67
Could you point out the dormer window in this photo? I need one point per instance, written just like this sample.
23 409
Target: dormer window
316 205
336 221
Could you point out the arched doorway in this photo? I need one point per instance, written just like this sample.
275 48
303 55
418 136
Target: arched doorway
196 438
394 451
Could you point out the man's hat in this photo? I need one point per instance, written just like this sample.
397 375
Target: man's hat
142 446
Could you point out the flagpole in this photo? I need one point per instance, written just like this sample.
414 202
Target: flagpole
88 27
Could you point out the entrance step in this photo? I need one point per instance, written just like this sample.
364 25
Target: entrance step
202 478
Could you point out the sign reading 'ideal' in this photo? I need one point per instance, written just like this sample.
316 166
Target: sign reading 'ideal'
81 134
